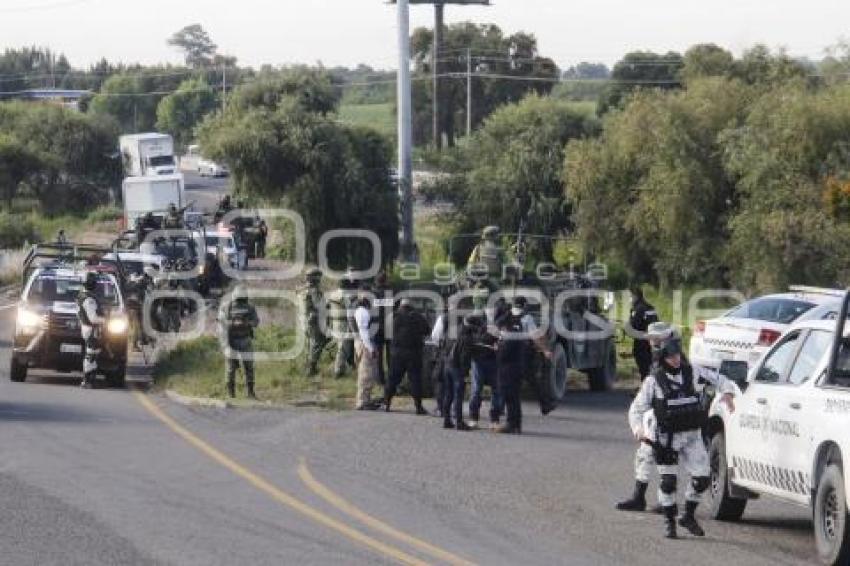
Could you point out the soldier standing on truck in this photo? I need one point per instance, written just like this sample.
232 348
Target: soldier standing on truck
91 317
488 254
239 322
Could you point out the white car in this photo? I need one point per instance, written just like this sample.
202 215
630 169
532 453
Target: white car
788 437
748 330
208 167
225 242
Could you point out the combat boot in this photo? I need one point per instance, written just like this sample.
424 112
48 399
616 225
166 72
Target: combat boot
509 429
689 522
88 381
231 389
420 410
250 390
462 425
638 500
670 522
387 402
448 424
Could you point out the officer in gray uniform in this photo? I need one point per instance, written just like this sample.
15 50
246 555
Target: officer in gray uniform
239 321
91 323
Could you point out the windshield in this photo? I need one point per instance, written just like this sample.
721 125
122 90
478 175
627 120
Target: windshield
48 289
176 249
161 160
778 310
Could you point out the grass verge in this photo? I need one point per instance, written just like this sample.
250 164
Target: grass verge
377 116
196 368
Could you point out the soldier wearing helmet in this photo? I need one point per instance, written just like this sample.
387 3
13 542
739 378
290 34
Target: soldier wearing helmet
314 310
239 320
488 254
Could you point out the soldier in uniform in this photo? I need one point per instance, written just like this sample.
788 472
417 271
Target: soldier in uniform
641 316
239 321
314 309
489 253
262 236
174 218
92 320
342 303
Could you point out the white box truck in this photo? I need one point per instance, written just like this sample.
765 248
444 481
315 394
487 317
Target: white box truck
150 194
147 154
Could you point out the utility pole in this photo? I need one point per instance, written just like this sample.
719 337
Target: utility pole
435 68
468 91
405 138
223 87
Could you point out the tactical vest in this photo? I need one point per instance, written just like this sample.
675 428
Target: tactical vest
490 255
242 314
515 349
81 310
680 408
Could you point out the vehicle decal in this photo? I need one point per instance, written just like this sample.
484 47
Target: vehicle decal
780 478
837 406
767 425
736 344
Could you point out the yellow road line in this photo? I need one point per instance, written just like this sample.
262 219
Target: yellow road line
352 511
274 492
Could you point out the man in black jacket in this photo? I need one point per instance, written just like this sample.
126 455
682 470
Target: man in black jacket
409 332
641 316
458 359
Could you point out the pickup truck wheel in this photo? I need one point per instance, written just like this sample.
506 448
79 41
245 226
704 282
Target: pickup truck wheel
722 506
117 377
17 372
832 535
602 378
558 372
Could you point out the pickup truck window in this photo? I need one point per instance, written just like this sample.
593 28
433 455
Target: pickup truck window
841 375
816 345
776 363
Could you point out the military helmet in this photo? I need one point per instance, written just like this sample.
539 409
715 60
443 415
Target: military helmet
491 232
172 207
315 272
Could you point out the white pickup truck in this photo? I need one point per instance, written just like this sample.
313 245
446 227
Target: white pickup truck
789 436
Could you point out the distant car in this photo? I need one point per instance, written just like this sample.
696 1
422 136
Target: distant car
208 167
223 242
748 330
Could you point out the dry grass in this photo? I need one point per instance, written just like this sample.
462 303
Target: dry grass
11 266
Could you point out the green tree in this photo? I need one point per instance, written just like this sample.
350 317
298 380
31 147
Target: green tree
652 192
514 170
707 60
132 97
195 43
508 59
286 148
314 89
17 163
179 113
640 70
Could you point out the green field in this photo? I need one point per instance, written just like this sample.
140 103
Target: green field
378 116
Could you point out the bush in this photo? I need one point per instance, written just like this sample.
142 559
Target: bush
16 231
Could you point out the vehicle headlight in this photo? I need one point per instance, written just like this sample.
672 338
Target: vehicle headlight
117 325
29 320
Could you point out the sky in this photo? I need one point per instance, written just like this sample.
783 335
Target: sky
348 32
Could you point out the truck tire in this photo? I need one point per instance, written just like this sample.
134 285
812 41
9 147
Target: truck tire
722 506
17 372
558 370
602 378
832 535
117 377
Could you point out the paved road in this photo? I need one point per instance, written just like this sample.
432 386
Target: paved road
118 477
205 191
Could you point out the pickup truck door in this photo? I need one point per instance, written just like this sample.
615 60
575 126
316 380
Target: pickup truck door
752 450
794 409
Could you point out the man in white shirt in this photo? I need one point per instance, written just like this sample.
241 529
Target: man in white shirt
365 354
671 392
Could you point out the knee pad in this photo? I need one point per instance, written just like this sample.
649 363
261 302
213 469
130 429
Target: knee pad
700 483
668 484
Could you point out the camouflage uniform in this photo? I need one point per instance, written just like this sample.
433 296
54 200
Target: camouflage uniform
239 322
314 309
488 253
173 220
342 304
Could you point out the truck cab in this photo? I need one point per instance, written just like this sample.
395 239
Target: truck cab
788 437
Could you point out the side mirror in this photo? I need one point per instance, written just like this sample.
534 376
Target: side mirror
735 371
